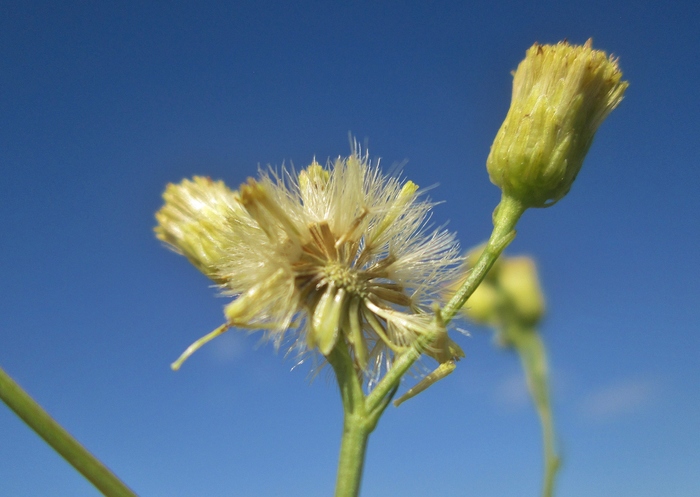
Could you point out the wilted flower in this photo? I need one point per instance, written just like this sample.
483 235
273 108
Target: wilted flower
337 253
561 94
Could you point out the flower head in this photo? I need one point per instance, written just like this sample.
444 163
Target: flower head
561 94
329 254
195 214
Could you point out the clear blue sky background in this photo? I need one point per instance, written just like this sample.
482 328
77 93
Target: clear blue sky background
102 105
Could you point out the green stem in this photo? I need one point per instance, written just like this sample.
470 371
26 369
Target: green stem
362 413
357 423
401 365
505 217
60 440
533 356
352 458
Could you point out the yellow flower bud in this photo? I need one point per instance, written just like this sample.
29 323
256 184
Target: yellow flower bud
561 94
195 219
483 305
518 280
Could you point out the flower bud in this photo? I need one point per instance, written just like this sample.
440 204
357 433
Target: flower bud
483 305
195 219
561 94
518 280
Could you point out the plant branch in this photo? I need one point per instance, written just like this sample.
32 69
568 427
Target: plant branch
505 217
60 440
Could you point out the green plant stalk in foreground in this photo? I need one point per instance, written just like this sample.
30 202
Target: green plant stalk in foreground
357 424
60 440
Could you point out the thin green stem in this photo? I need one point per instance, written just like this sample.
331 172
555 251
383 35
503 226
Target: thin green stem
533 356
362 413
401 365
60 440
505 218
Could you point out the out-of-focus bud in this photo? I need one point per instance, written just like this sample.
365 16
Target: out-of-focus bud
195 219
473 257
561 94
510 291
483 305
518 279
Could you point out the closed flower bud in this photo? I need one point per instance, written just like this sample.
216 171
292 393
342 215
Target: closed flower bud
518 280
483 305
561 94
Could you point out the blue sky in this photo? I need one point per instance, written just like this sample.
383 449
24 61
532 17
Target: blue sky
102 105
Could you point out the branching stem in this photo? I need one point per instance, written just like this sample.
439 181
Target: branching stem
356 425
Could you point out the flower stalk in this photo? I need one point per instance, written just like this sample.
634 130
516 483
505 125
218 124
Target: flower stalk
533 356
505 217
357 425
360 417
511 301
60 440
356 431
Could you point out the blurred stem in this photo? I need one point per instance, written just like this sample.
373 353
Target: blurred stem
530 348
60 440
505 217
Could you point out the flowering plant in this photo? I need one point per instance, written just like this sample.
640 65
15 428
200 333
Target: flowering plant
338 262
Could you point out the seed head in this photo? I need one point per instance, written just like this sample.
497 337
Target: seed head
328 254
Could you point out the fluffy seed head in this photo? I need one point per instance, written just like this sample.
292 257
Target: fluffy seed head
328 254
